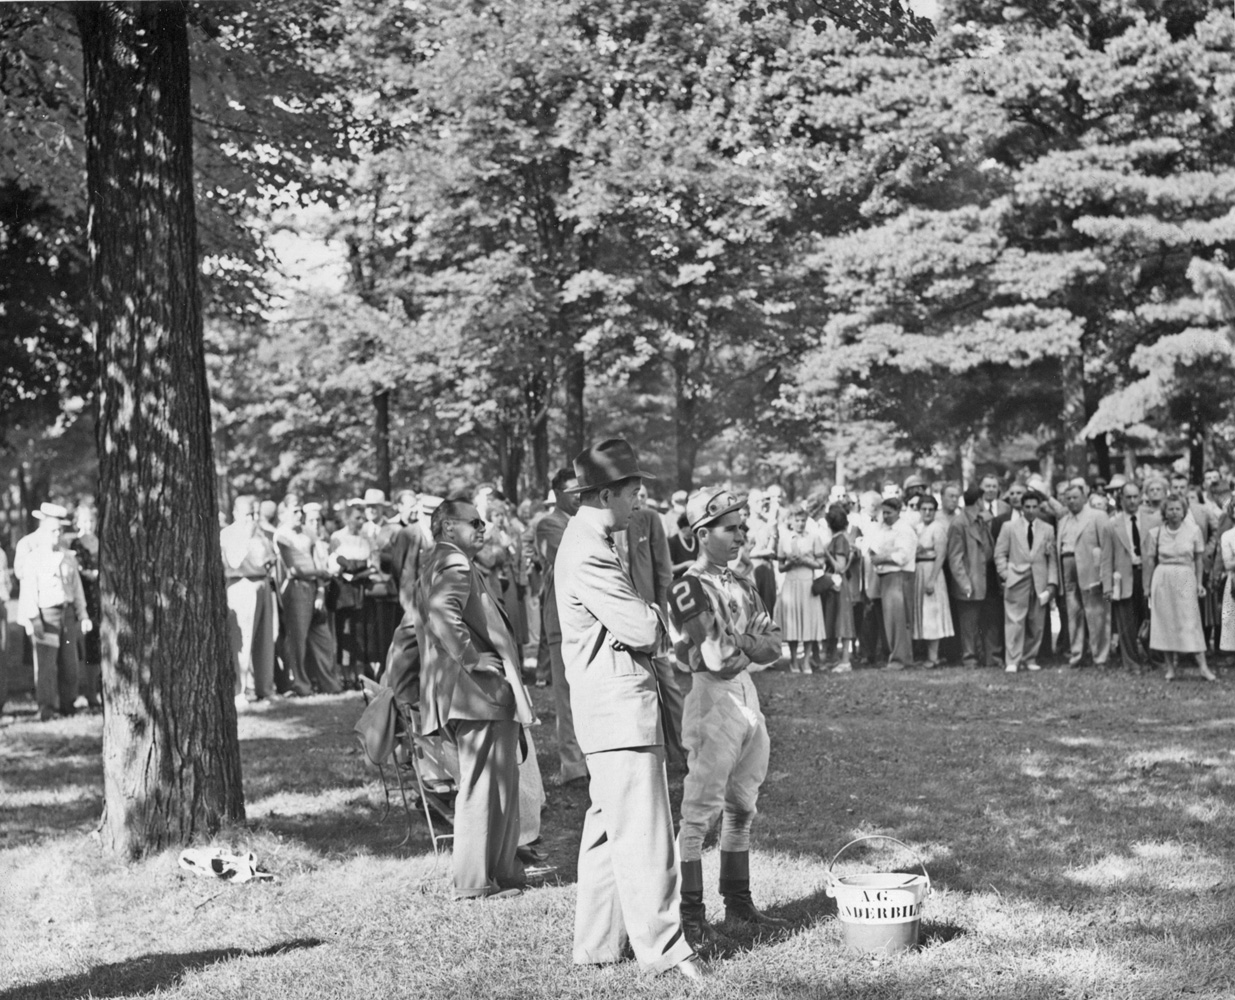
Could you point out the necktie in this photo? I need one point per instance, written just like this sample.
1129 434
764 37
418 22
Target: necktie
1136 539
1029 533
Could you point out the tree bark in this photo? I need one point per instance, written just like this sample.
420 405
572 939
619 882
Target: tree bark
171 757
1072 416
575 431
1102 450
381 440
1196 449
538 439
686 441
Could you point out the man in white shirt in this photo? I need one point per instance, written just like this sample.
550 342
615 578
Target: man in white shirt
51 608
894 556
248 557
308 644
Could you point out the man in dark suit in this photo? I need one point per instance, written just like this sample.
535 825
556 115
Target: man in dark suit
1026 563
629 882
971 559
472 693
1122 548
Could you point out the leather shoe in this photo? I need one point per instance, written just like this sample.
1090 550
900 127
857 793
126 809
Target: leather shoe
692 969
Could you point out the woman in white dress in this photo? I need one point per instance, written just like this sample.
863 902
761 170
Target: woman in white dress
932 620
799 613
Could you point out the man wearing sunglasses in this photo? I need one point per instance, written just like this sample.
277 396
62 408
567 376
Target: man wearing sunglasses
471 692
722 627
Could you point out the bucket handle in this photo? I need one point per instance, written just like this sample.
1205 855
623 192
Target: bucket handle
881 836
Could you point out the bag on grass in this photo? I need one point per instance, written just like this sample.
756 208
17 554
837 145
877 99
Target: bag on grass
221 865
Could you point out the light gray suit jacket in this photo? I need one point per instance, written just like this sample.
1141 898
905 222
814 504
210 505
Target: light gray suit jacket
1014 561
608 632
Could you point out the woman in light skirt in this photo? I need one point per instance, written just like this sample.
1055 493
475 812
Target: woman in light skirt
799 613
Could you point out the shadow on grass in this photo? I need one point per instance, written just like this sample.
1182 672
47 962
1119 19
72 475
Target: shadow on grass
142 976
360 827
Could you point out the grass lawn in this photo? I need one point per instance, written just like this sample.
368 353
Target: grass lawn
1079 829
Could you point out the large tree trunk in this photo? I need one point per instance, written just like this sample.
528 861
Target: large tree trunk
1102 449
1196 449
538 439
1072 416
381 440
686 440
575 431
171 758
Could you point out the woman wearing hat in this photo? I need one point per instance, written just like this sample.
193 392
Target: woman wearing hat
799 613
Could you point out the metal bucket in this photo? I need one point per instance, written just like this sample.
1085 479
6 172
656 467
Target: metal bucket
880 912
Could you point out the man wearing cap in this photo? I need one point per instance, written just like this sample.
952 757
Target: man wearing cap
52 607
471 693
894 557
912 490
723 627
629 885
547 539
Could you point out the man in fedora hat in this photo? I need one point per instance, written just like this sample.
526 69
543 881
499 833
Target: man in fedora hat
724 627
51 608
629 883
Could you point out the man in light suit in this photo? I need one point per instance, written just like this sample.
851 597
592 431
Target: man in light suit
1081 535
970 550
629 885
472 693
1121 575
1026 562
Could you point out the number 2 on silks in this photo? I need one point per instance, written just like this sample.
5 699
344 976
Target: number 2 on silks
687 600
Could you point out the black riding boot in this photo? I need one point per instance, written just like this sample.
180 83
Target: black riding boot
735 887
700 935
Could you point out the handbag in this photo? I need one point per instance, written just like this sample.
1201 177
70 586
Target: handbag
825 583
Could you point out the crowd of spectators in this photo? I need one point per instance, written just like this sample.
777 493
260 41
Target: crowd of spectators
1008 574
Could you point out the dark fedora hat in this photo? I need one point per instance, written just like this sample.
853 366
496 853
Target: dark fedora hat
606 463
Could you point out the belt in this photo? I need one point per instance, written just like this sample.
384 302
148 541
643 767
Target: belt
1067 555
237 579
